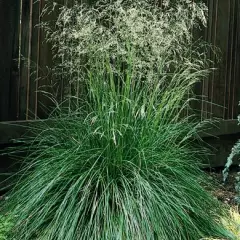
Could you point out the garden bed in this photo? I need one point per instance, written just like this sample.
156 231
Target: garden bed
225 192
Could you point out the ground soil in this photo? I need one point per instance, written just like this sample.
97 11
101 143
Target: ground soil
225 192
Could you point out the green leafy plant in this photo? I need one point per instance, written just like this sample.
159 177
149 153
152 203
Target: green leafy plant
6 224
234 152
121 159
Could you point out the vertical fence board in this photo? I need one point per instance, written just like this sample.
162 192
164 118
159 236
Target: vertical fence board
24 66
230 61
221 88
34 61
45 63
220 41
212 39
9 25
237 98
13 99
205 84
236 64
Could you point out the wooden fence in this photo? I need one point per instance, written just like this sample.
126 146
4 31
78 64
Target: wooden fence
20 98
222 88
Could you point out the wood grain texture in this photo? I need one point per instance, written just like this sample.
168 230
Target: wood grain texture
25 51
9 24
21 97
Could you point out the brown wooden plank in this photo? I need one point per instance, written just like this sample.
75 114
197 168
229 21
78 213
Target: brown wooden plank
220 149
230 61
221 42
227 62
222 127
205 84
212 40
13 98
45 65
237 88
33 86
199 34
222 87
236 63
10 131
9 24
222 20
25 62
40 6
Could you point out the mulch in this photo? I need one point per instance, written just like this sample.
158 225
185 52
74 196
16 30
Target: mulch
224 192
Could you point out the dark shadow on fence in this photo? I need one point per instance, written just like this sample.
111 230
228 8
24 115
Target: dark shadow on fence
21 79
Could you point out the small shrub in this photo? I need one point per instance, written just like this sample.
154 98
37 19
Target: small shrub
234 152
122 160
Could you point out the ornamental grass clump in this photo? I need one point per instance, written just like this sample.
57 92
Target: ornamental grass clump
119 158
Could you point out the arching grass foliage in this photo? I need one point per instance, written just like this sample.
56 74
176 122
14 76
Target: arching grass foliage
121 159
